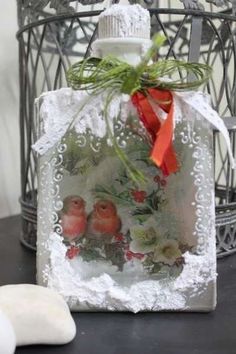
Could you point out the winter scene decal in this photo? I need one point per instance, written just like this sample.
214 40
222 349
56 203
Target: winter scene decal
101 233
108 218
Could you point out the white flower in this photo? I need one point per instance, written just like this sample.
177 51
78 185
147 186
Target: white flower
144 238
167 251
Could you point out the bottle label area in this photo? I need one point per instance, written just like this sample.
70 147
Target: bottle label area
98 229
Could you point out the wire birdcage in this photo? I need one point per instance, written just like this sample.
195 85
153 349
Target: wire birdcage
53 34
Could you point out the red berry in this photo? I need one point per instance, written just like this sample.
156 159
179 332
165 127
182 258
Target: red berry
163 182
139 196
130 255
72 252
139 255
157 179
119 237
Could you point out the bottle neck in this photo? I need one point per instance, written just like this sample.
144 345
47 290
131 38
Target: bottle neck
130 50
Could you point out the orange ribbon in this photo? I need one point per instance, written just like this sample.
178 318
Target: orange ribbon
163 153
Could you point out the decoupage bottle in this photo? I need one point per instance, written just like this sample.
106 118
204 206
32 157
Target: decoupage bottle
106 242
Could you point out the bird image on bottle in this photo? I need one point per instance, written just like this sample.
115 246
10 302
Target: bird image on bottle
103 222
73 218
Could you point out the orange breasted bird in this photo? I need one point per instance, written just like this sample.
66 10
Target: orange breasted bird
103 222
73 217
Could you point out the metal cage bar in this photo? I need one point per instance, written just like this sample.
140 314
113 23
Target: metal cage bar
50 43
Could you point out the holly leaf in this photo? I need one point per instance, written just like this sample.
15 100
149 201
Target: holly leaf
103 192
89 254
142 211
175 271
151 266
123 178
114 252
100 191
142 218
128 237
155 199
142 214
156 268
125 195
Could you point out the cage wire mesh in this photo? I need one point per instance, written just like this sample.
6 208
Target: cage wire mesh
53 34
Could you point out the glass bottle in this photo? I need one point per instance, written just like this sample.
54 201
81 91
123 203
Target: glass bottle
106 242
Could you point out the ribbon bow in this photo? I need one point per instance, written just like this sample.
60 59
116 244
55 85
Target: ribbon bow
162 154
143 84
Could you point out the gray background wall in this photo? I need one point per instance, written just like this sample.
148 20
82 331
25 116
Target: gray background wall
9 136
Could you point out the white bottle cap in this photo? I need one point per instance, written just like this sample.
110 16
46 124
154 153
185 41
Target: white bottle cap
124 21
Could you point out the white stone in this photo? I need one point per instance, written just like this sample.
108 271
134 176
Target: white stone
7 335
38 315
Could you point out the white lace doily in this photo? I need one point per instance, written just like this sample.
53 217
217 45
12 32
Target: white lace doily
65 108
